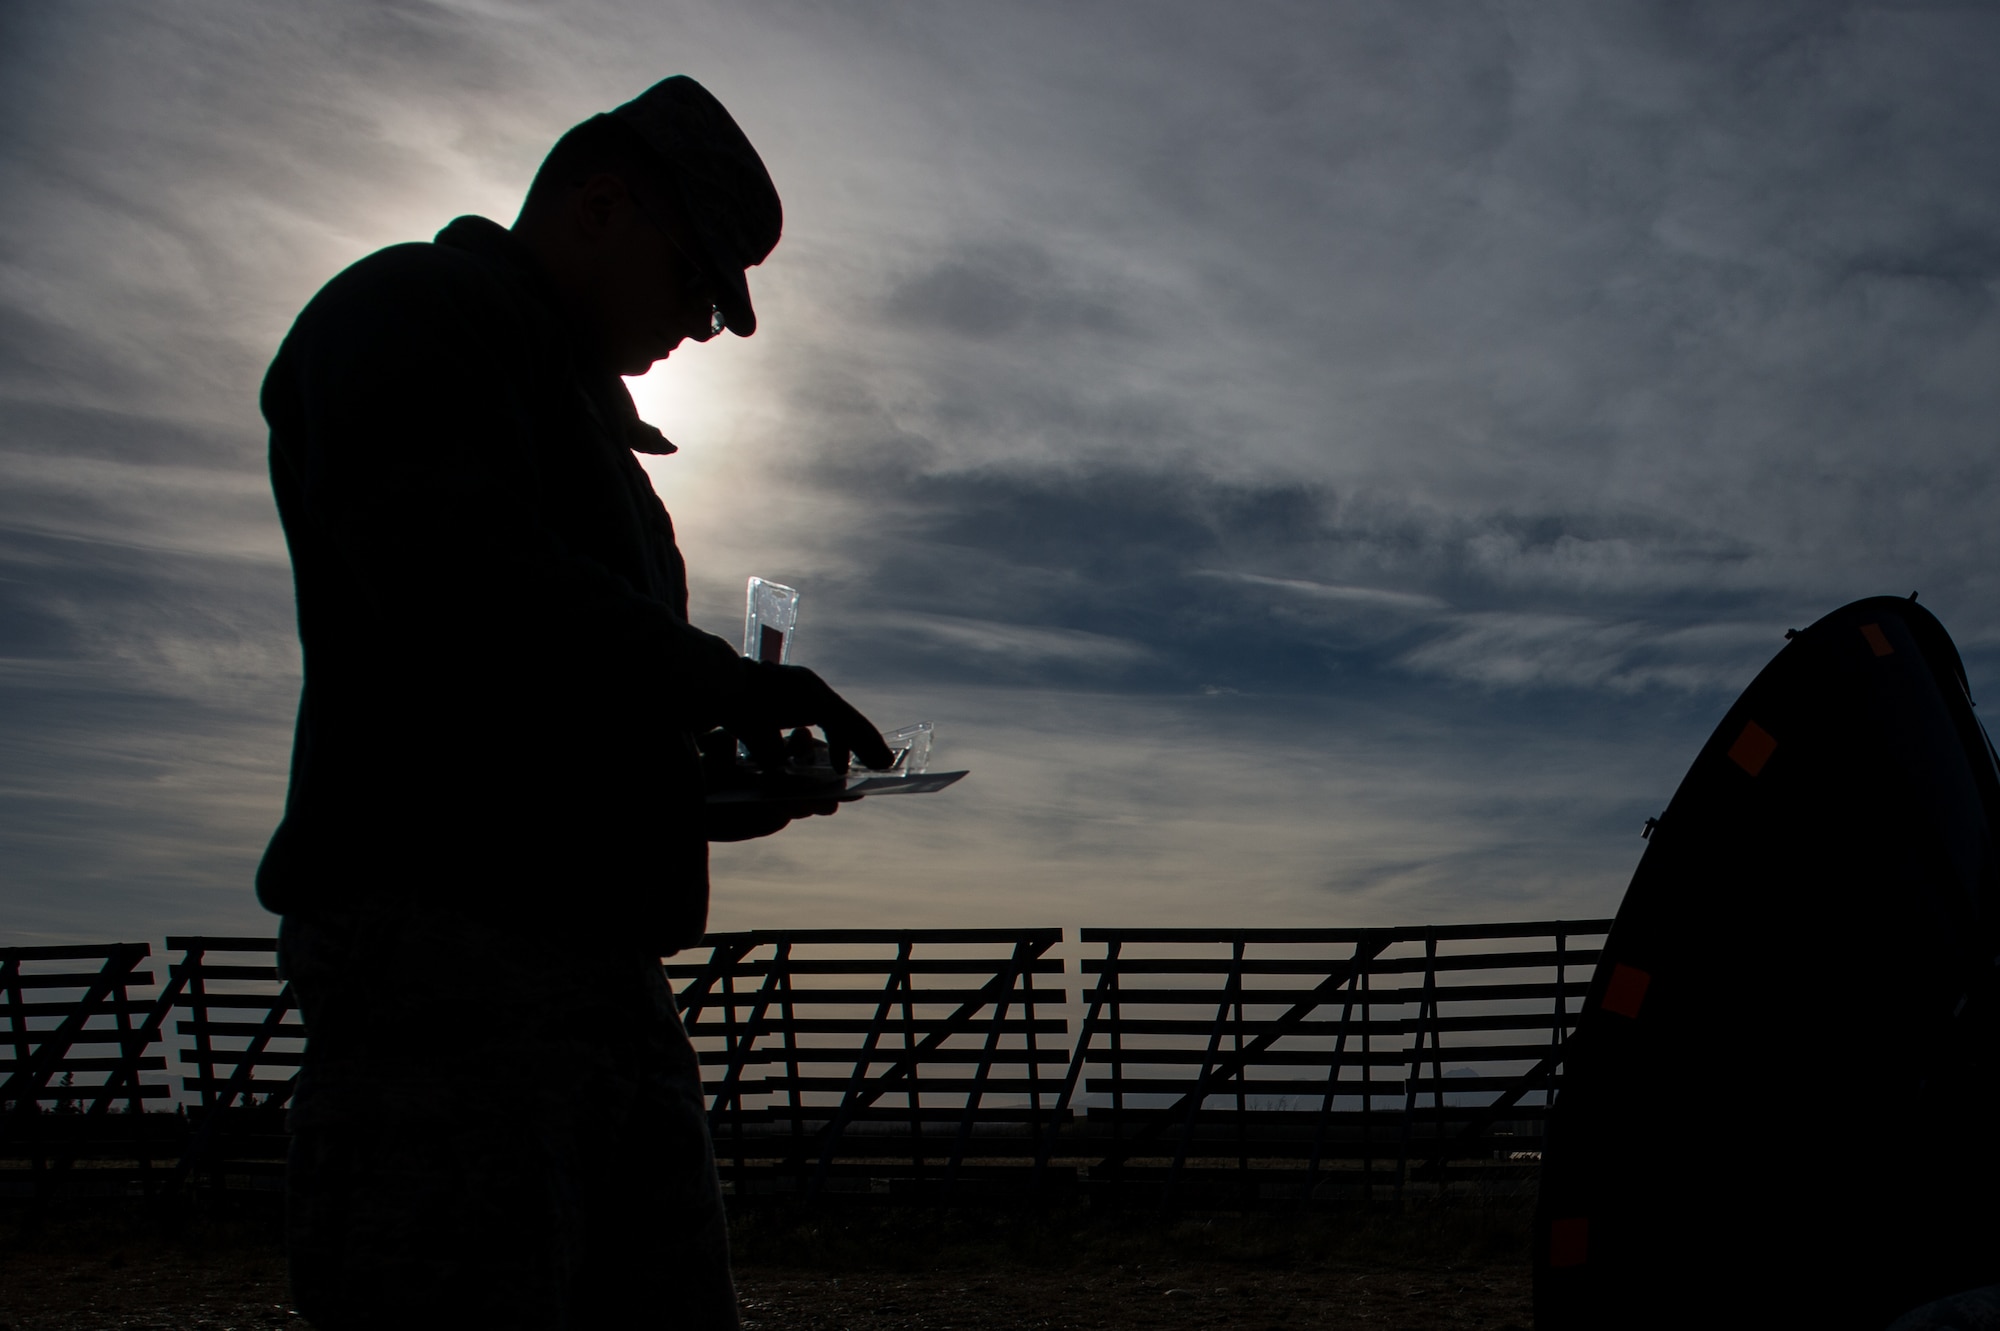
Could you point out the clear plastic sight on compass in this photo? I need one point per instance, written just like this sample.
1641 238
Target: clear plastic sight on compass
770 618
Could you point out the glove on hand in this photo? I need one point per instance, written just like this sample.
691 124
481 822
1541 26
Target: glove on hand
781 697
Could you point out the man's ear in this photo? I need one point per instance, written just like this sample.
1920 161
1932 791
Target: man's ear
597 203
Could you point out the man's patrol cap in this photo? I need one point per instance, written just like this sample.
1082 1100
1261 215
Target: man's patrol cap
725 192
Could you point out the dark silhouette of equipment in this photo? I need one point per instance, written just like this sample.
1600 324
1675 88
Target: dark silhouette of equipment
1778 1103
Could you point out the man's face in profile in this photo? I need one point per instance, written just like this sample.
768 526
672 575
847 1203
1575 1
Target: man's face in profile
647 291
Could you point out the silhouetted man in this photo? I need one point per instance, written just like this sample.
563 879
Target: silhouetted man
495 825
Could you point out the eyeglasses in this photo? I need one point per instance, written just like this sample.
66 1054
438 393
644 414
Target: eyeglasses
694 274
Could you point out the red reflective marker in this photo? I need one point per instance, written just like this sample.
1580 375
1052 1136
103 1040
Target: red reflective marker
1753 748
1876 641
1625 991
1569 1241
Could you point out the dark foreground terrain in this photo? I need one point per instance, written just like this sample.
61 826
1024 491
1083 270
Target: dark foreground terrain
869 1272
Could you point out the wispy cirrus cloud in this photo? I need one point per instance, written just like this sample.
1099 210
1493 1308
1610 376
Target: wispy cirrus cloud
1374 598
1504 649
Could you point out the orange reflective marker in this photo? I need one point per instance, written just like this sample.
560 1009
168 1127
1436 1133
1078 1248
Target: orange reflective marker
1753 748
1876 640
1626 990
1569 1241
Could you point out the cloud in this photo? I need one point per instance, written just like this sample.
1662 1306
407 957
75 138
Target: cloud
1003 645
130 817
990 291
1366 597
1216 423
1096 808
1513 650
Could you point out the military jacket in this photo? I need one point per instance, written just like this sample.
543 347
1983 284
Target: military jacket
501 684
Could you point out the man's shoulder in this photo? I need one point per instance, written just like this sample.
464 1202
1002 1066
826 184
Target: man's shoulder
411 259
411 305
405 310
404 279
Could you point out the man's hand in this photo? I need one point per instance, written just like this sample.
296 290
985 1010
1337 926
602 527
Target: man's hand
782 697
748 821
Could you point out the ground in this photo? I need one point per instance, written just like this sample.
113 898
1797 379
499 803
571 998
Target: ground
1224 1297
923 1272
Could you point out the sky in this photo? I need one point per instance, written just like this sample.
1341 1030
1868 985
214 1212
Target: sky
1316 464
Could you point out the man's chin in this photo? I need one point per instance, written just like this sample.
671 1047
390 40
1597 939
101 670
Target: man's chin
636 365
654 354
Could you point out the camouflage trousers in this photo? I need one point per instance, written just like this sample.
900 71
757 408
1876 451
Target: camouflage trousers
495 1133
